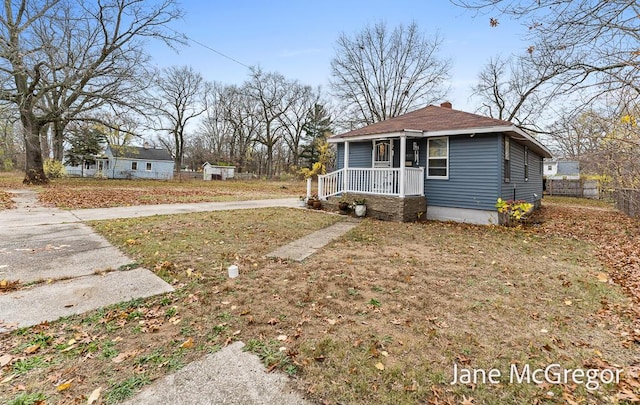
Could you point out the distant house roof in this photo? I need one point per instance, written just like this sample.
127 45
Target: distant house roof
143 153
440 121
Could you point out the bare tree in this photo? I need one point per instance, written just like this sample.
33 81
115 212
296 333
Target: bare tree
113 34
181 95
380 73
294 121
274 98
242 112
594 42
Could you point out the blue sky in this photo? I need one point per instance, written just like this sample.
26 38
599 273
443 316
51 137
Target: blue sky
297 38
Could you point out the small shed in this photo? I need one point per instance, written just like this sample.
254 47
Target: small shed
215 172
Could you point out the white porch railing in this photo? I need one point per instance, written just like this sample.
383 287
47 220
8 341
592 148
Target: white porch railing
381 181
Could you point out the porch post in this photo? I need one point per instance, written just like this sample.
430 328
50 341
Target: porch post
345 173
403 156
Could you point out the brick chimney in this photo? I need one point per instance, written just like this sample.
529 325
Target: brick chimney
446 104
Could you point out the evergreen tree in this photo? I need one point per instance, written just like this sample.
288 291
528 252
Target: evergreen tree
317 130
86 144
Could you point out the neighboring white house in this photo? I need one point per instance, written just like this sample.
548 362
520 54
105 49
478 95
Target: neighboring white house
558 169
213 172
133 162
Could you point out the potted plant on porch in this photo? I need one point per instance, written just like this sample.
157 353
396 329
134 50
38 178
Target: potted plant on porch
343 205
359 208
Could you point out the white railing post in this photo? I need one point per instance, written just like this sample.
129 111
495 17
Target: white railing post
345 178
320 186
403 157
309 187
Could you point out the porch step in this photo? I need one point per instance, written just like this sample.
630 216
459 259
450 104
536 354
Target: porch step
300 249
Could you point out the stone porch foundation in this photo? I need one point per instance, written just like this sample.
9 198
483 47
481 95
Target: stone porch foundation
386 208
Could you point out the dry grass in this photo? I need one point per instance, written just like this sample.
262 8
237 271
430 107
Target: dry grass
11 180
94 193
379 316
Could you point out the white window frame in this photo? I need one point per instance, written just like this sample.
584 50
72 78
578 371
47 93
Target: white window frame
148 166
507 160
134 163
526 163
382 163
446 177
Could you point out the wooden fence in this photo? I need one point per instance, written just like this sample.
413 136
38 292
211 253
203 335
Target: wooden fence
628 201
573 188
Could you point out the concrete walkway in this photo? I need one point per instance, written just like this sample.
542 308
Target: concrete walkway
229 376
304 247
75 269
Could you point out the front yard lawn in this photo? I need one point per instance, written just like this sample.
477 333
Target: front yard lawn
378 316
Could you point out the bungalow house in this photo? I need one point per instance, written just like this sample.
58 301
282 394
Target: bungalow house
436 162
134 162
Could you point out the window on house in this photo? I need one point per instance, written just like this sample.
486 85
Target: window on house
507 160
134 165
526 163
549 167
438 158
148 166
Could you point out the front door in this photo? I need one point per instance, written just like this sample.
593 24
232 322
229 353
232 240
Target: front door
382 153
382 181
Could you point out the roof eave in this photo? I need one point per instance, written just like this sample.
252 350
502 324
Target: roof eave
509 129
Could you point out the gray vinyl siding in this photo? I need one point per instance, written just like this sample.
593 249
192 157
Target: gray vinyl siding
340 156
524 190
360 154
474 173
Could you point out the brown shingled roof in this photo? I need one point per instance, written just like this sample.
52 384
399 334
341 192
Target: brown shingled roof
428 119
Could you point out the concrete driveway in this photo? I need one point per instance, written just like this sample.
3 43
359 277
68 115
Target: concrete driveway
70 268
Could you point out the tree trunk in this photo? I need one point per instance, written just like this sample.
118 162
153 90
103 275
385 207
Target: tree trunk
34 168
58 140
44 141
269 160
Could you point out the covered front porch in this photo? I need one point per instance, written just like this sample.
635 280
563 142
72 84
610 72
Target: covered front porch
388 173
395 182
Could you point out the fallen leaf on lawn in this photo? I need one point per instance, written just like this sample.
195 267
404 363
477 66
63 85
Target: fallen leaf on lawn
384 353
467 401
5 359
380 366
187 344
603 277
567 302
411 388
64 386
236 332
32 349
67 349
331 321
282 338
543 331
94 396
123 356
8 378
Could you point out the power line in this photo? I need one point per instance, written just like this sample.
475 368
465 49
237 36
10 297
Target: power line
211 49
